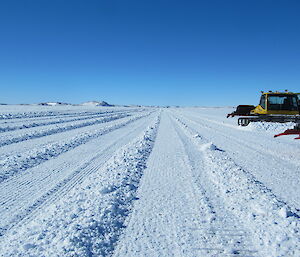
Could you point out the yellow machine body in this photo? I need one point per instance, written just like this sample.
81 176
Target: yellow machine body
279 103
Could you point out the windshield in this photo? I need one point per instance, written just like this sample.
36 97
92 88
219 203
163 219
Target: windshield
262 102
282 102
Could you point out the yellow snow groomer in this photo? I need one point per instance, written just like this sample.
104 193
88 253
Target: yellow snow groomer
273 107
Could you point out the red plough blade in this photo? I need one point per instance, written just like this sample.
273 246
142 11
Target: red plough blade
290 132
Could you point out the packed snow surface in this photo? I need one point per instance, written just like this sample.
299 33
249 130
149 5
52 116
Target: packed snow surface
115 181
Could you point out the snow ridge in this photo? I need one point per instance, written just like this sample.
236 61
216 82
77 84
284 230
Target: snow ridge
46 132
21 162
274 224
55 121
106 231
52 113
90 219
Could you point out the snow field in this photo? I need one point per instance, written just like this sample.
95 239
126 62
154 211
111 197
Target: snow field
37 122
274 162
89 220
16 137
274 225
12 164
10 112
174 216
146 182
29 191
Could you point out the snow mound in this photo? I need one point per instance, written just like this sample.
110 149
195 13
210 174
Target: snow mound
209 146
96 103
270 126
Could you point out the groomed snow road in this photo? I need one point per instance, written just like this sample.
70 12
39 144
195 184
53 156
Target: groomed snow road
92 181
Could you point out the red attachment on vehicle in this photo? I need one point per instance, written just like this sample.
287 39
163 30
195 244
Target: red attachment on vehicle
290 132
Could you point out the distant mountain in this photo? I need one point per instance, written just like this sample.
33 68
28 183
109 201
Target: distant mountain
53 103
96 103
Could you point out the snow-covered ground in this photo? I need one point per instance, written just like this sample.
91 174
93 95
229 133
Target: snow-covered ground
116 181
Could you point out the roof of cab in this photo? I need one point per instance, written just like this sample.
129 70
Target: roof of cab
278 93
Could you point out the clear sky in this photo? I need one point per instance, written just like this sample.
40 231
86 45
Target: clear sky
214 52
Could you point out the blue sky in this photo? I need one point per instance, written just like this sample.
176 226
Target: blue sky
211 53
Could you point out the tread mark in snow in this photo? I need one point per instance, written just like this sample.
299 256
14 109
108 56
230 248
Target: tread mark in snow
174 213
273 224
47 132
55 121
53 150
224 234
95 230
108 228
66 184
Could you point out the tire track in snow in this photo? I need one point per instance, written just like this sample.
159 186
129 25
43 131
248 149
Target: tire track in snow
224 234
274 225
8 201
253 145
10 116
24 161
45 114
101 205
107 230
283 172
72 115
173 216
46 132
23 125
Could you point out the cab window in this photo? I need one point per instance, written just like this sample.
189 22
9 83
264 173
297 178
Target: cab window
282 102
262 102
